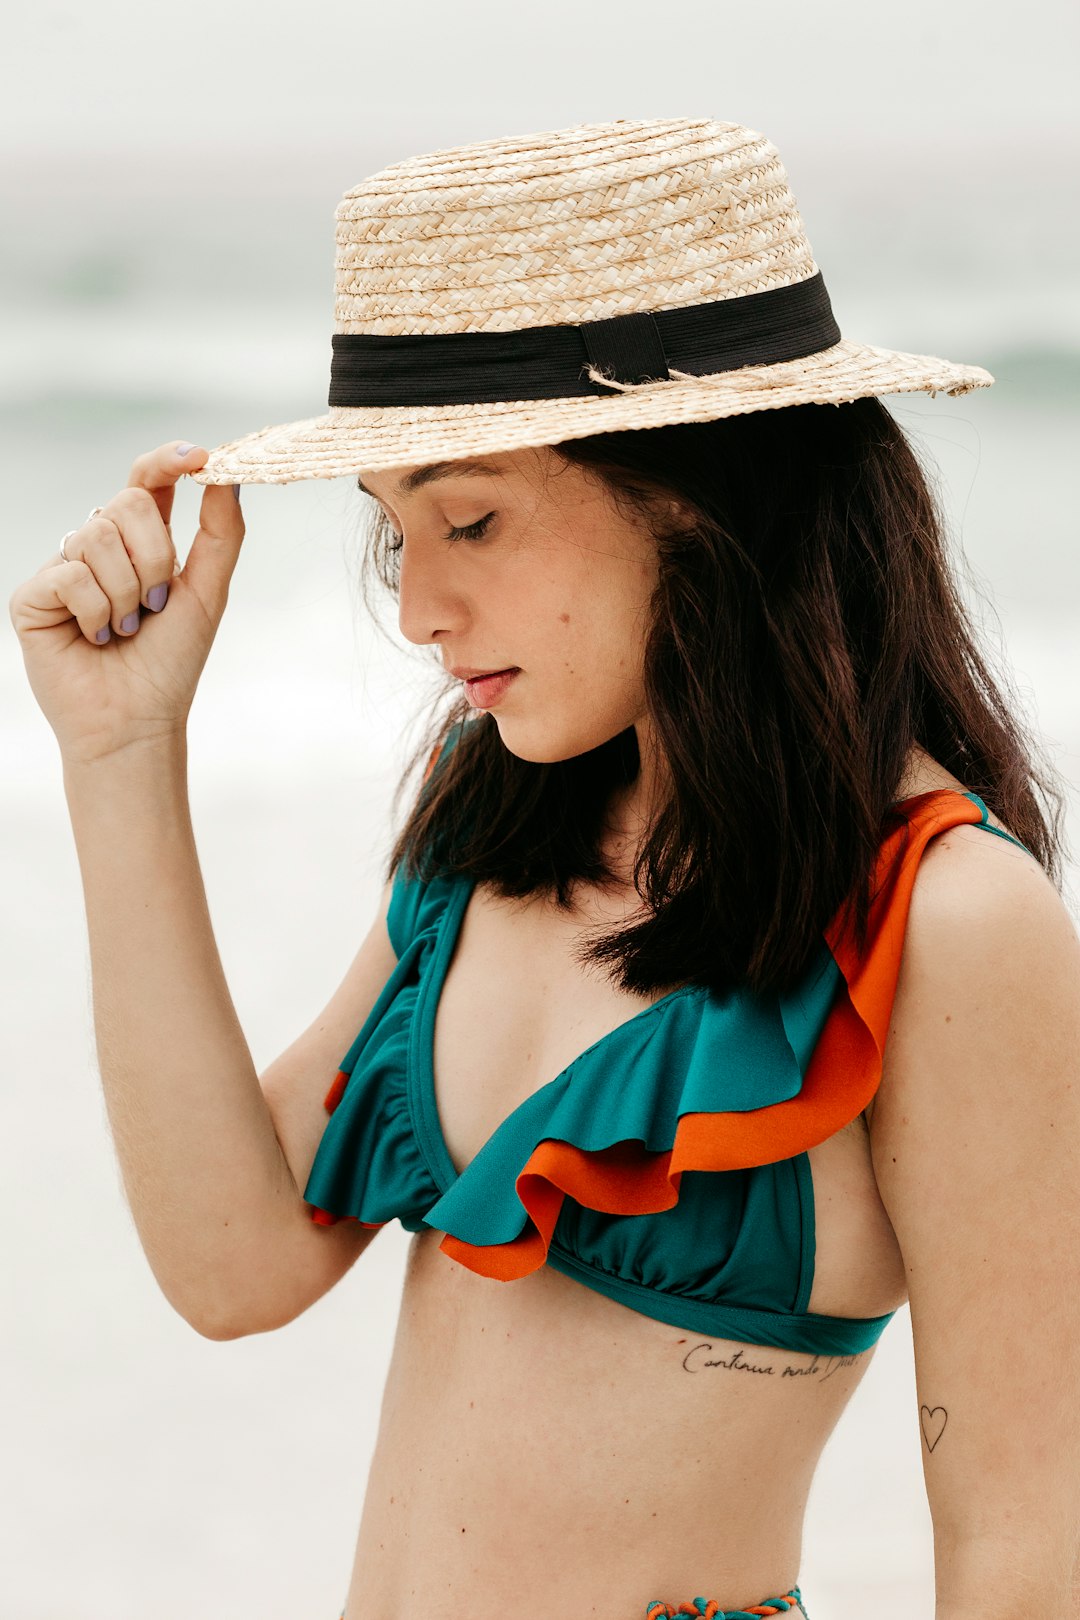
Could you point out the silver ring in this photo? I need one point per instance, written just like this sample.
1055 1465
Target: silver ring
70 532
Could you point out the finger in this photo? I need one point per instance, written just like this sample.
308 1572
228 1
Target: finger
58 561
130 551
159 471
60 594
210 562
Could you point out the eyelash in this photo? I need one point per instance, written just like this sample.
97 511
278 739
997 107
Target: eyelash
472 531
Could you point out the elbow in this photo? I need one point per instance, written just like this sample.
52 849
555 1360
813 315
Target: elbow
264 1293
219 1330
224 1327
211 1325
227 1320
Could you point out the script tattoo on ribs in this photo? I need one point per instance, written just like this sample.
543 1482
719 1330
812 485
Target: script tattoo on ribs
819 1367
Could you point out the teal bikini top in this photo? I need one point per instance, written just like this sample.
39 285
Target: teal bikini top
667 1165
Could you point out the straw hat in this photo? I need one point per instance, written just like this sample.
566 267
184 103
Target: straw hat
537 288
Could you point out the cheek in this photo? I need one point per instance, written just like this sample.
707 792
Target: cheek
579 650
581 610
583 656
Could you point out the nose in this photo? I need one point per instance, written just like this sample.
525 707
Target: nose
428 606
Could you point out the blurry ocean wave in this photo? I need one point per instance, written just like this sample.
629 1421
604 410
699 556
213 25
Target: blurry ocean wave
89 364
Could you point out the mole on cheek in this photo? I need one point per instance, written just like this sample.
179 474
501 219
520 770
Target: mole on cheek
564 618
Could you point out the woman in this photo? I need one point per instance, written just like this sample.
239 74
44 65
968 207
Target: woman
721 996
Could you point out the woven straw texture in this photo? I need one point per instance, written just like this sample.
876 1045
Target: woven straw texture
563 227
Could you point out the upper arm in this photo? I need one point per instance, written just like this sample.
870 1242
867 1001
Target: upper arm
295 1086
976 1149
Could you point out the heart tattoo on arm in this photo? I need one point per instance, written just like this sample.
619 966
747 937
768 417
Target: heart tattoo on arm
933 1424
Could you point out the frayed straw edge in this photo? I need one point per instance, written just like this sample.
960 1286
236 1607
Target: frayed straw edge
635 388
673 377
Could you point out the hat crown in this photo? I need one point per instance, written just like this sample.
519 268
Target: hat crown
567 226
602 278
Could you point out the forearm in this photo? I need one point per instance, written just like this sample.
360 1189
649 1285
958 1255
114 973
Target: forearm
204 1175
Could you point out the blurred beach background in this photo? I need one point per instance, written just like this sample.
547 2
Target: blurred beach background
168 273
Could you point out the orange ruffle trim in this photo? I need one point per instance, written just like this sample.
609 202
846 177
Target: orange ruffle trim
841 1078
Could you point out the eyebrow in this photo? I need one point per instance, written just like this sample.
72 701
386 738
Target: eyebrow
434 471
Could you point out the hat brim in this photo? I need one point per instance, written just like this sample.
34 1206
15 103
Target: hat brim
351 439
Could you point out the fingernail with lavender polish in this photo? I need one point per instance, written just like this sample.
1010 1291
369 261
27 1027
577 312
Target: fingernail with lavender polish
156 597
182 449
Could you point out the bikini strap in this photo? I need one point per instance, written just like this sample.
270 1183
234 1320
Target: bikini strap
974 797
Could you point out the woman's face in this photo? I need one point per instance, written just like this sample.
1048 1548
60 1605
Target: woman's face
554 583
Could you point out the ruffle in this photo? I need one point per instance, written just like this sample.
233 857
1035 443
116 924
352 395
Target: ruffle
699 1081
759 1080
369 1166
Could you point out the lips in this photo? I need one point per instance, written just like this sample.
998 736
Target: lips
484 691
465 673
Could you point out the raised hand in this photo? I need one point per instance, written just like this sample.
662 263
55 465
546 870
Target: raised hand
134 684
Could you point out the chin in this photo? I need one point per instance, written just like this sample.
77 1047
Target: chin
547 745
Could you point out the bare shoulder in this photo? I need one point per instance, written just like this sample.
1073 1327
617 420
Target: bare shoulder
967 865
990 966
975 1138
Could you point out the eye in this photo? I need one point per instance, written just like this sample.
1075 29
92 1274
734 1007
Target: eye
471 531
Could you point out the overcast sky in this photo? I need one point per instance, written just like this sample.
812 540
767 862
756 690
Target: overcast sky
191 158
272 91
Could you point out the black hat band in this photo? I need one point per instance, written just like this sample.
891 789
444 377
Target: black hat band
551 362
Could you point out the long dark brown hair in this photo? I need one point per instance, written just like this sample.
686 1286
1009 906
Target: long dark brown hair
805 632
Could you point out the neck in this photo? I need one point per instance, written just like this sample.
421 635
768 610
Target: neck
632 809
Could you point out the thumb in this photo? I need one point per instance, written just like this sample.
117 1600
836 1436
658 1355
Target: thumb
216 546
